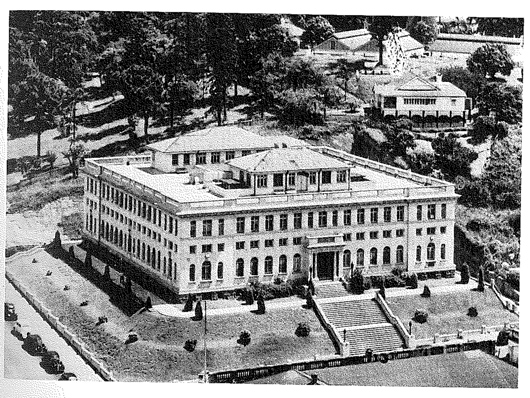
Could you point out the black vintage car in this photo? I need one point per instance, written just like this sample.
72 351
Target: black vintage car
52 362
9 312
34 345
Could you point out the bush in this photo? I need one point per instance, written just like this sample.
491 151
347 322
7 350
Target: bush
261 305
249 296
382 292
464 274
480 286
190 345
244 338
198 311
472 312
302 330
148 304
367 283
421 316
413 281
309 299
394 281
189 304
502 338
357 282
426 292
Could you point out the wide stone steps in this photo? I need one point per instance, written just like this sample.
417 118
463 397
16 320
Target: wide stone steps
344 314
328 290
378 339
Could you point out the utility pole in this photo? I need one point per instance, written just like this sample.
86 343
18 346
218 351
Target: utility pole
205 330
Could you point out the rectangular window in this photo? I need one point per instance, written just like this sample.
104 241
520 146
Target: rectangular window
400 213
359 236
443 230
374 234
193 228
283 222
220 247
387 214
186 158
322 219
347 217
221 227
431 231
175 159
374 215
297 241
400 233
335 218
418 232
206 248
246 152
431 212
310 220
312 177
387 234
291 179
360 216
215 157
444 211
347 237
193 249
277 180
282 242
261 180
201 158
207 228
240 245
254 224
240 225
326 177
419 212
254 244
269 242
297 221
269 222
229 155
341 176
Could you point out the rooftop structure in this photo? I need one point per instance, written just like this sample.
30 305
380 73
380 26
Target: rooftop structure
192 215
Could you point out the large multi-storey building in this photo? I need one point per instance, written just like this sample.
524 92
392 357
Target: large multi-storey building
216 209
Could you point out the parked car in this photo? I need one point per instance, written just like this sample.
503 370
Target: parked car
21 330
9 312
33 343
52 362
68 376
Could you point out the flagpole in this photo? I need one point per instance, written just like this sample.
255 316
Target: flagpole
205 314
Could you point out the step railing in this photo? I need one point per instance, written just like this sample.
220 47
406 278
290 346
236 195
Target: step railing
344 347
394 320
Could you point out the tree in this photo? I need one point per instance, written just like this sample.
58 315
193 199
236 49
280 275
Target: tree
244 338
424 32
464 274
490 59
380 27
357 282
451 158
75 152
344 69
414 281
509 27
422 162
505 101
317 29
426 292
198 311
188 306
471 83
50 158
480 286
302 330
398 140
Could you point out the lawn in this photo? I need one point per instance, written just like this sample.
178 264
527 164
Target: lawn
448 311
159 353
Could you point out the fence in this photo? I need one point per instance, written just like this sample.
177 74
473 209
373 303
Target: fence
242 375
62 329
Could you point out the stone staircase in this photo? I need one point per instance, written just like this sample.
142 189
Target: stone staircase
378 338
330 289
354 313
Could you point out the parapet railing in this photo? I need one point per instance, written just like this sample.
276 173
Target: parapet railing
394 320
431 186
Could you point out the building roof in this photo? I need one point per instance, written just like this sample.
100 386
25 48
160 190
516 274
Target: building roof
353 38
419 87
286 159
213 139
468 44
407 43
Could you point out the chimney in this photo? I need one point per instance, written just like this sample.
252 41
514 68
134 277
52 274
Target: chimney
314 379
438 78
284 145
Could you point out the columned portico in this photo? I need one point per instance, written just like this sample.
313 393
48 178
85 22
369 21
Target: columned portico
324 253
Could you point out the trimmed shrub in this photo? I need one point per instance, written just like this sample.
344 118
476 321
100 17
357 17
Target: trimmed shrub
367 283
190 345
88 260
464 274
502 338
421 316
148 303
106 273
198 311
413 281
472 312
189 304
382 292
244 338
480 286
393 281
309 299
302 330
249 296
71 252
426 291
261 305
357 282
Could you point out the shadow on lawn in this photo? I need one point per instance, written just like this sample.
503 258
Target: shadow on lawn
115 111
116 130
128 303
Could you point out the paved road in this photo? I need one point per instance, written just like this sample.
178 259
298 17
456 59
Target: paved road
19 364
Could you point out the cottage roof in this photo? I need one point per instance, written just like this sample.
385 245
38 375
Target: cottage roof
419 87
407 43
352 38
213 139
468 44
286 159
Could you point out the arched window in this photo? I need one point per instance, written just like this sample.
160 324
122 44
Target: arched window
240 267
153 258
158 261
399 255
120 238
192 272
430 251
373 256
360 258
254 266
282 264
297 263
148 254
386 255
442 251
346 259
143 251
268 265
206 271
220 270
418 253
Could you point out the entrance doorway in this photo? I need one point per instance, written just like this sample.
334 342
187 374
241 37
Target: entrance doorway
325 264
